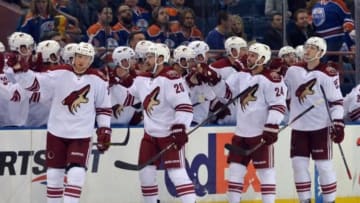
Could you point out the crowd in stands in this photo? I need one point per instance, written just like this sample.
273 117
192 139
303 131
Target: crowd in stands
108 25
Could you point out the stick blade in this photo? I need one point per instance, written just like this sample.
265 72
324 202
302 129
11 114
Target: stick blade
127 166
237 150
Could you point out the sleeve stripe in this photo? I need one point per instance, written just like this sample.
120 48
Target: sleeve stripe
184 107
355 114
228 93
129 100
34 87
104 111
338 102
280 108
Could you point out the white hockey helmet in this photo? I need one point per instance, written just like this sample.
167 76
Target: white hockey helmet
141 48
200 48
319 42
299 51
68 52
234 42
2 47
123 53
18 40
286 50
86 49
262 50
159 49
50 51
183 52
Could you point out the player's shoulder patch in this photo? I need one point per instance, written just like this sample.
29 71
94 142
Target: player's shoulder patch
272 76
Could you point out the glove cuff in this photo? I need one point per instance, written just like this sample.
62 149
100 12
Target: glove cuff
272 128
339 122
178 128
104 130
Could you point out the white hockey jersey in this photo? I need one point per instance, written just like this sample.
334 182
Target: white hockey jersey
121 114
225 69
200 96
76 100
352 104
165 100
304 91
262 100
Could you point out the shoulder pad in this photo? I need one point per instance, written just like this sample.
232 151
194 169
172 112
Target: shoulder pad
328 70
272 76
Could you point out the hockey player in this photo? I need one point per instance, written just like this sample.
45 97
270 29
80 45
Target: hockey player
39 103
68 53
200 93
259 113
313 132
124 58
167 116
140 50
288 55
80 96
352 104
235 60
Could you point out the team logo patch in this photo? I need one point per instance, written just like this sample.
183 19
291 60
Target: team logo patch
117 109
76 98
248 95
318 16
151 101
305 89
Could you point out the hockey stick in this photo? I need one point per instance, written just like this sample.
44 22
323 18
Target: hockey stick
123 143
334 129
135 167
247 152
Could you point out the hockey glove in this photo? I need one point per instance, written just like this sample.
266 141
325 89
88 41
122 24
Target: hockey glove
337 134
215 105
209 75
192 79
103 138
178 135
270 133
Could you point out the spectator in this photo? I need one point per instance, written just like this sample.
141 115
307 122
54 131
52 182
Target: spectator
187 29
216 37
160 30
140 16
294 5
273 36
174 8
124 25
39 19
237 27
299 31
84 12
101 34
331 19
135 37
152 4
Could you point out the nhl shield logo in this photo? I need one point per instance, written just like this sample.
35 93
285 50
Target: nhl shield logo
318 15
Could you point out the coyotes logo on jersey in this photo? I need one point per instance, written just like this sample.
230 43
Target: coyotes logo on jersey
117 109
76 98
247 96
151 101
305 89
